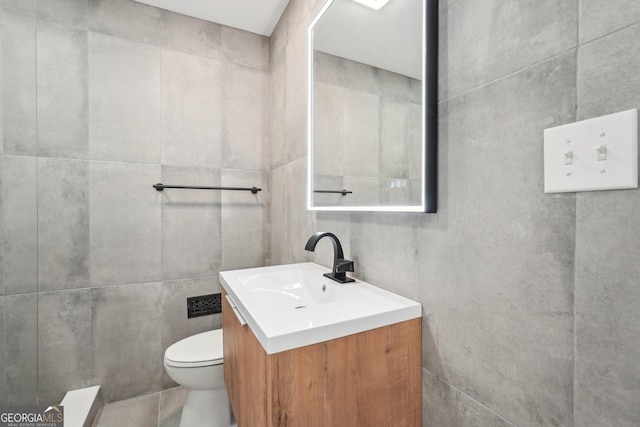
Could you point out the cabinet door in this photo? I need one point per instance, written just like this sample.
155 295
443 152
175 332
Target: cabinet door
246 371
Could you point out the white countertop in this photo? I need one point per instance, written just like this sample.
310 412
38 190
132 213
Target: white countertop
294 305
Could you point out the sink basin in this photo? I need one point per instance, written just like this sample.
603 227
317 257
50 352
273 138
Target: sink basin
293 288
294 305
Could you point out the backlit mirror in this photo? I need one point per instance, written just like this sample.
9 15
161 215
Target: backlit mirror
372 106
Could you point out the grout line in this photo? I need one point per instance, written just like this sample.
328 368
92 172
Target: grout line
162 169
578 3
505 76
90 257
575 236
577 47
37 162
457 390
159 403
91 287
618 30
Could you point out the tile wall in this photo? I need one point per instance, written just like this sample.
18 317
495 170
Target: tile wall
367 134
101 99
531 301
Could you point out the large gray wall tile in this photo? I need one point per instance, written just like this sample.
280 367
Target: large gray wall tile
68 13
498 284
124 100
295 93
606 293
399 192
1 229
245 94
328 69
359 77
385 250
190 224
125 223
414 140
63 107
490 39
1 97
191 35
63 224
337 71
443 405
399 87
245 48
328 129
277 150
19 200
19 82
192 110
598 18
366 190
367 122
328 182
607 316
607 82
394 129
298 14
279 235
21 349
245 220
361 134
300 224
18 6
126 339
64 343
126 19
175 323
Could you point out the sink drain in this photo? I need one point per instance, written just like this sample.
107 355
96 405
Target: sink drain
300 306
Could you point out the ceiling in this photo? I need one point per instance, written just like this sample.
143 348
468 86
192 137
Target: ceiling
256 16
389 38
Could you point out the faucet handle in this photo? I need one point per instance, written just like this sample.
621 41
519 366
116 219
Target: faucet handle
343 265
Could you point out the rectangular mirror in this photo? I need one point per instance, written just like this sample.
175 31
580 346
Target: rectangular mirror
372 122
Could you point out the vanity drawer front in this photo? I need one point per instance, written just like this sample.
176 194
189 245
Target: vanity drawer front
246 370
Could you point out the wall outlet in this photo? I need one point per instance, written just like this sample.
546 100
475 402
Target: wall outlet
203 305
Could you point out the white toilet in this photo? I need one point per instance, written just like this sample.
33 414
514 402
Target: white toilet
196 363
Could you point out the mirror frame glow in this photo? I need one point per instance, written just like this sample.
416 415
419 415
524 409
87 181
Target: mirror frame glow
429 123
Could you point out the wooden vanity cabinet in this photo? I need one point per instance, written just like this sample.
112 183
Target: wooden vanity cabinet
370 379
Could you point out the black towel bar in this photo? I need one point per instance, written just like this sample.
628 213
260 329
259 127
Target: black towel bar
161 187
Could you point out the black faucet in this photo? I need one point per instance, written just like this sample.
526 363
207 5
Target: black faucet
340 265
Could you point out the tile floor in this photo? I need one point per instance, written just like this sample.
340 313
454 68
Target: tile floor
161 409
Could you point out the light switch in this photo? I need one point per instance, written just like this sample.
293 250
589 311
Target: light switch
594 154
602 153
568 157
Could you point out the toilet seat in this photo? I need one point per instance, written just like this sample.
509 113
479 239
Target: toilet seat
204 349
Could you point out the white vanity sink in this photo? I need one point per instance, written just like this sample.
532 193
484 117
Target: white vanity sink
294 305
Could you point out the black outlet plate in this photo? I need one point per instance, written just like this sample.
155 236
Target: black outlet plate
203 305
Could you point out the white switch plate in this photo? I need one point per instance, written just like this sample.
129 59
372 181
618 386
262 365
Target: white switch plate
571 154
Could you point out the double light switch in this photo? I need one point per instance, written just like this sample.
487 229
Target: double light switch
594 154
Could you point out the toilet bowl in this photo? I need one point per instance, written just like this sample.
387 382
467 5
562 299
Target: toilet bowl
196 363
